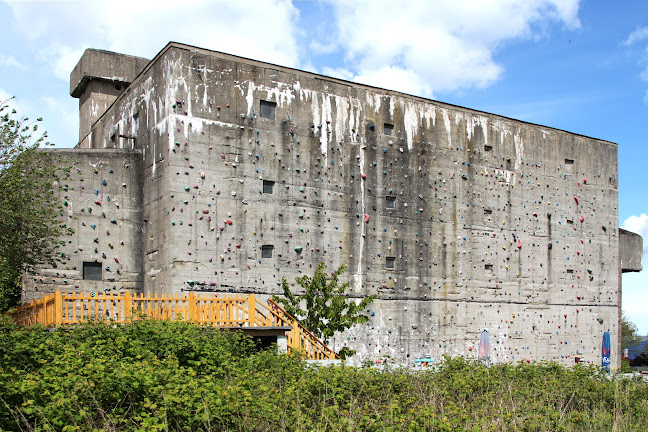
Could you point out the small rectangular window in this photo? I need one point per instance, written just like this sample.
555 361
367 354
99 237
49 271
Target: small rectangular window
388 128
390 262
390 202
570 221
267 110
570 271
569 165
266 251
268 186
91 270
488 148
488 267
136 123
488 211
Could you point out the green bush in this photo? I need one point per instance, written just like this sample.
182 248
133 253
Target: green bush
156 375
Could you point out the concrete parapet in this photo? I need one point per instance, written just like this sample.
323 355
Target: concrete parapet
630 251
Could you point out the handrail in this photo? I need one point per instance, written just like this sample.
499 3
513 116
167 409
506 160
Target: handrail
219 311
322 351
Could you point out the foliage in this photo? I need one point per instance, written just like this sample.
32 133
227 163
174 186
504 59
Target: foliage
31 216
629 336
327 310
155 375
640 360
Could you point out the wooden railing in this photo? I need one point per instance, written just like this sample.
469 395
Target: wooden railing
216 311
300 338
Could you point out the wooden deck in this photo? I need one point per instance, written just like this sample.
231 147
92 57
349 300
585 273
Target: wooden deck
226 311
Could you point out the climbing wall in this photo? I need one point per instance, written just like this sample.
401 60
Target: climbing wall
458 220
101 197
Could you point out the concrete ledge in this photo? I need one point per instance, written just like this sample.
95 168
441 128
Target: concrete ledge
630 251
324 362
260 331
106 66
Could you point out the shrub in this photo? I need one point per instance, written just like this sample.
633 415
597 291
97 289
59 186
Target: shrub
156 375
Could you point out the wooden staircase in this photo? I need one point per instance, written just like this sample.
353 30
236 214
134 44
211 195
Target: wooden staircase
224 311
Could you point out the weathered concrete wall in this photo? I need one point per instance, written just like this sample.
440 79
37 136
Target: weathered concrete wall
102 198
630 251
495 224
98 78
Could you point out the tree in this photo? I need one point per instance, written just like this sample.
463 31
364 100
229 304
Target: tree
31 225
326 308
629 336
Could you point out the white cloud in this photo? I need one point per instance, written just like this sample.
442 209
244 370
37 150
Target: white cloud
440 45
638 225
342 73
637 35
11 61
265 30
322 48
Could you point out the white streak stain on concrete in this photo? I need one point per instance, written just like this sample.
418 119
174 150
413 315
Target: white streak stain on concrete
446 123
428 115
411 118
360 241
325 121
250 97
519 150
341 117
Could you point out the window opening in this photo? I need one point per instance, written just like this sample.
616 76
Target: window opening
267 110
268 186
390 262
388 128
91 270
569 165
390 202
266 251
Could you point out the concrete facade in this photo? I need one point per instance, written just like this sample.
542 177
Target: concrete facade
225 174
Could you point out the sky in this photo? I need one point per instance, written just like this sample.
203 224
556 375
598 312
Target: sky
576 65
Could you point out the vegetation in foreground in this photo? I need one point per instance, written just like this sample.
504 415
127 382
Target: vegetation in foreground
155 375
33 223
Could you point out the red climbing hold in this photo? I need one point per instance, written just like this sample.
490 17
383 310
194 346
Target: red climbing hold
116 260
576 199
366 217
238 246
229 222
363 175
519 245
582 218
585 180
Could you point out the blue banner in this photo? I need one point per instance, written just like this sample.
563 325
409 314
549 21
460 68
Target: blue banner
605 351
